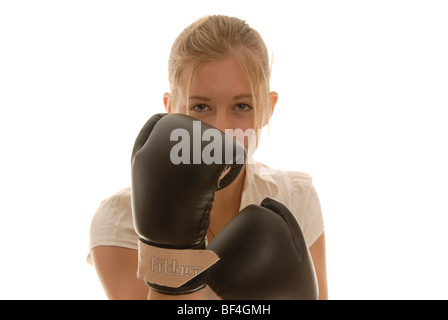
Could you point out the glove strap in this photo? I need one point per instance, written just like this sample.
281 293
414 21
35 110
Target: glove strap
172 267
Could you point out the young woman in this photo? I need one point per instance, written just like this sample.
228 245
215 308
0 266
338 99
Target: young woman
219 73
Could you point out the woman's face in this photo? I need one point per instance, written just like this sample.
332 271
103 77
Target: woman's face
219 95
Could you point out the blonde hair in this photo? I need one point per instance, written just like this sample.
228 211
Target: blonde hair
217 37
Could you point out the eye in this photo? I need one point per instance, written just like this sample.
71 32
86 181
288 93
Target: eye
242 107
199 108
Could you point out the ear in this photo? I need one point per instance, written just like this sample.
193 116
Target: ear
167 102
274 99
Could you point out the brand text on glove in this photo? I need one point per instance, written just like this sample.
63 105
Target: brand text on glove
172 268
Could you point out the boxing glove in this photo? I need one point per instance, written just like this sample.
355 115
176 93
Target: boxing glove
263 255
174 181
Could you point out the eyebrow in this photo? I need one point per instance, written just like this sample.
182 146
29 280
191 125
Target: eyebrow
199 98
242 96
238 97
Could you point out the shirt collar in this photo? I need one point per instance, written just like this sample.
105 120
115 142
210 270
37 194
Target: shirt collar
259 179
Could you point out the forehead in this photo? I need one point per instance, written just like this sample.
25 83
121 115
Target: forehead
215 77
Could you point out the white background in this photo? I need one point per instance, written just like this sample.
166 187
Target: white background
363 104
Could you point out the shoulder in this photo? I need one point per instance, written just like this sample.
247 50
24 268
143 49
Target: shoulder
113 209
293 185
112 223
294 180
121 200
294 189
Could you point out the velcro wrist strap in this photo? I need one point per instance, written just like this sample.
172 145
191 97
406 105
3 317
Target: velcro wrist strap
172 267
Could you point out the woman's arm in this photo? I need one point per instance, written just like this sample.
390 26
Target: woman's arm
318 253
117 270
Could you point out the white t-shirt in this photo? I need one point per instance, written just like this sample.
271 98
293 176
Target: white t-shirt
112 223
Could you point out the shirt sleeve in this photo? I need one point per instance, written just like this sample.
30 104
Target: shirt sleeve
112 223
309 212
312 213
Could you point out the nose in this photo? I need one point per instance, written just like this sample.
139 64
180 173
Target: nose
221 121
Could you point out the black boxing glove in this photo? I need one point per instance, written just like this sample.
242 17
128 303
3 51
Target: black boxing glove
263 256
174 182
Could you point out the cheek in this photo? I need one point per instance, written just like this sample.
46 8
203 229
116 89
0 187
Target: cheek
243 131
206 118
242 121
